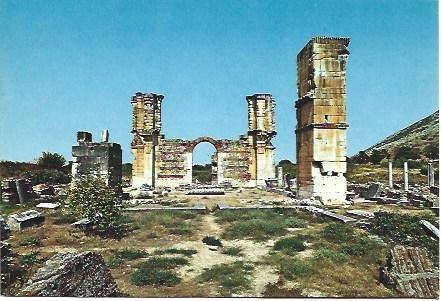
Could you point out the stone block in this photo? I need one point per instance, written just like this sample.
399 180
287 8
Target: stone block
20 221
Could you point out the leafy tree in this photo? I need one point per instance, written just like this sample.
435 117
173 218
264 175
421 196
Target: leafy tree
51 160
90 198
127 170
431 151
361 158
47 176
407 153
377 156
288 168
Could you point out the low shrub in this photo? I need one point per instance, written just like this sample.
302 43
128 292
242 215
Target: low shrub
257 229
330 255
232 251
337 232
45 176
212 241
154 277
359 247
296 223
290 245
65 218
404 229
130 253
294 268
163 262
231 278
34 241
185 252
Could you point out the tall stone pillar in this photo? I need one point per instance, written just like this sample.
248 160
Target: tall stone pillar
430 175
146 130
280 177
406 176
261 122
321 142
390 174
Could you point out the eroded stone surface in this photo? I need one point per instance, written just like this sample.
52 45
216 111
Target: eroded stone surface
158 161
410 271
321 141
72 275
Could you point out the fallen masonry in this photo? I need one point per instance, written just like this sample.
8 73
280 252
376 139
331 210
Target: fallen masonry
48 205
26 219
206 191
430 228
72 275
410 271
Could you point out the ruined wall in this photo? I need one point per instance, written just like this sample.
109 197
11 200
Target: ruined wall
321 119
261 121
146 128
248 161
101 159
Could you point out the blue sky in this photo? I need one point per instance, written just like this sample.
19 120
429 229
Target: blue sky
73 65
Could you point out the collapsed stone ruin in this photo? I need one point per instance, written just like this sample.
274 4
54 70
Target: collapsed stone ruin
248 161
101 159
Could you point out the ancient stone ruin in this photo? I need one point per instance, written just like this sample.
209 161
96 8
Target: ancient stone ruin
248 161
102 159
410 271
72 275
321 143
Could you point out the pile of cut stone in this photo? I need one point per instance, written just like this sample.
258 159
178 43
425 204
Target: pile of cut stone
72 275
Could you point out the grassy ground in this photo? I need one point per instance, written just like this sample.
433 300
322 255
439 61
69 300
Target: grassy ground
363 173
263 253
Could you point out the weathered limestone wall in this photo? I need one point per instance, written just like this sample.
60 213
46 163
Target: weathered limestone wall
248 161
321 119
146 128
261 116
101 159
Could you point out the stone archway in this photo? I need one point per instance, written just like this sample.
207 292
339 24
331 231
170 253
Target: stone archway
216 172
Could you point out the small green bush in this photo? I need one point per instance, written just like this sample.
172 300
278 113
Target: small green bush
30 259
231 278
257 229
130 253
232 251
45 176
154 277
330 255
65 218
359 247
185 252
34 241
212 241
290 245
91 198
338 232
163 262
296 223
115 262
295 268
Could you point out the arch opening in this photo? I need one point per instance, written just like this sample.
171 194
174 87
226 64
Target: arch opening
204 163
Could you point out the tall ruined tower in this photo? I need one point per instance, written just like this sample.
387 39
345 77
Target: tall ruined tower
261 115
146 130
321 143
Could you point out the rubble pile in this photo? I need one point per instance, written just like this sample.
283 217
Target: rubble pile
72 275
410 271
16 190
417 195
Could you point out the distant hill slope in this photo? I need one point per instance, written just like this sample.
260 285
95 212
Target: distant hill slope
418 135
